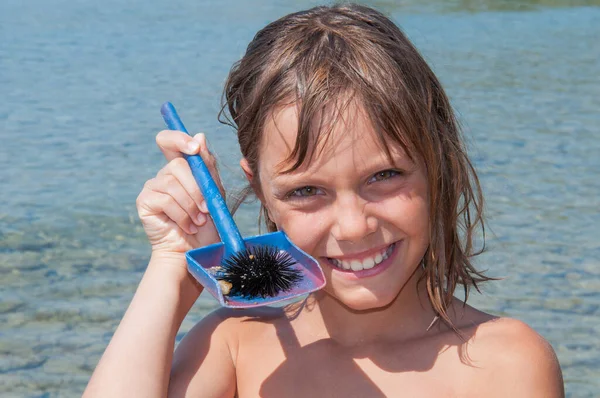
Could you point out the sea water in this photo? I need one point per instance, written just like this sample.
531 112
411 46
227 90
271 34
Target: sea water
81 84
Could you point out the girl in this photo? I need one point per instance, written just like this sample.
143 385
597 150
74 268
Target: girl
351 145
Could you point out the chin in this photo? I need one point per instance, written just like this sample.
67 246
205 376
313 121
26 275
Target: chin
365 300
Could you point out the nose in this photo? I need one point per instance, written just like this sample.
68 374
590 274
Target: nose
352 222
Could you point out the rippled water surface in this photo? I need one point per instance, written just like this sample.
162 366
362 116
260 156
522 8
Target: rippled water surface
81 83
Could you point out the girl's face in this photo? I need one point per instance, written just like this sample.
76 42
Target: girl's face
363 216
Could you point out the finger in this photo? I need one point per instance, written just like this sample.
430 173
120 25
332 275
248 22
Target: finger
173 143
201 139
170 185
209 160
180 170
159 202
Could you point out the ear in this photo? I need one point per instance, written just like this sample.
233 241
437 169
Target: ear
247 170
250 176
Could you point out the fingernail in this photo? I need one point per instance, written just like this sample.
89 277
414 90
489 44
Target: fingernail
203 207
201 218
193 146
201 139
193 229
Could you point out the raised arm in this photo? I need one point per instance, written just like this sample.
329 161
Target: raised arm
137 361
204 362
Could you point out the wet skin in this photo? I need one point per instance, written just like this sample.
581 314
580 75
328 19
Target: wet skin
368 333
350 202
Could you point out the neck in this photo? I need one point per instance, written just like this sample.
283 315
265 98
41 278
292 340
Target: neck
408 316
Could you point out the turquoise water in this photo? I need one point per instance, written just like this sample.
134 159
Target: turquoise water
81 84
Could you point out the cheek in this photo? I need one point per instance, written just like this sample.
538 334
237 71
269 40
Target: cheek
417 208
306 230
408 212
416 216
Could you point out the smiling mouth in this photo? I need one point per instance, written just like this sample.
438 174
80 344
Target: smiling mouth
365 263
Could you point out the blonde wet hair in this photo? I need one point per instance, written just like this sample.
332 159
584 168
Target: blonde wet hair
325 58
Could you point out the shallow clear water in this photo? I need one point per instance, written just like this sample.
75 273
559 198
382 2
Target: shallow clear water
81 84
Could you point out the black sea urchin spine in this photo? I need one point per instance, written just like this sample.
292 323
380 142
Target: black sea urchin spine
263 271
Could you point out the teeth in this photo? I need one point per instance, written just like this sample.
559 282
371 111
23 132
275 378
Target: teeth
356 265
366 263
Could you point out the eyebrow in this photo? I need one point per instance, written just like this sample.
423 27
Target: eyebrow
290 179
295 177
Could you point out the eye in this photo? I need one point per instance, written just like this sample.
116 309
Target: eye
383 175
304 192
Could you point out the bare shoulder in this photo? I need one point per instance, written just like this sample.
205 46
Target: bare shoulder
514 341
515 360
227 326
229 318
209 351
231 324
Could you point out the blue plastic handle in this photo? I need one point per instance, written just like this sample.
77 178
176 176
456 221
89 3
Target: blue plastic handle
228 231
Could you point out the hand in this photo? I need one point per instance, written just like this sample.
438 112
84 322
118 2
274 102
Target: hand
171 206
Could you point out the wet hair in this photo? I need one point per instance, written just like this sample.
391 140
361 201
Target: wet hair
326 57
